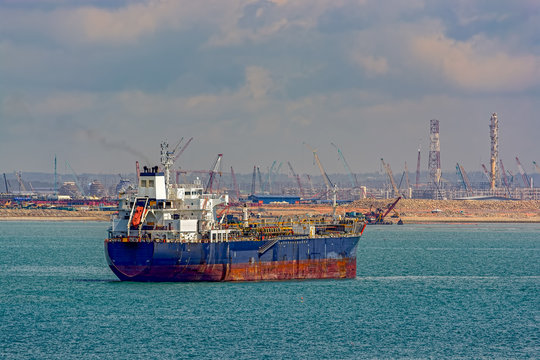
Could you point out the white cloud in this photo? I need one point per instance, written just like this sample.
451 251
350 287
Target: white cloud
474 66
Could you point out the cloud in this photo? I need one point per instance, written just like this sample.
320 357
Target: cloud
372 65
473 66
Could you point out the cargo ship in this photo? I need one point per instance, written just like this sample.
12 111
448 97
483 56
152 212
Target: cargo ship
173 232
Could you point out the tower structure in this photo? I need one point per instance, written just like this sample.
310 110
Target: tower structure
494 134
434 164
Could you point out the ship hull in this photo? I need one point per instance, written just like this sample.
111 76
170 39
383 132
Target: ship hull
285 259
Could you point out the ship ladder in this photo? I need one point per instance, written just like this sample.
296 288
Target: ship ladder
267 246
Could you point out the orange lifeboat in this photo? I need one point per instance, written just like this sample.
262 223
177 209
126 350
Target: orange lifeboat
136 221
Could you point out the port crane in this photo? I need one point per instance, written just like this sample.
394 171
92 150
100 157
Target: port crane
354 180
524 176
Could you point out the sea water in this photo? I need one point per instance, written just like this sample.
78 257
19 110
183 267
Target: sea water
438 291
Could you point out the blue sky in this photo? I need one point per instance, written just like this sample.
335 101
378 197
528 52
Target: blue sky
100 83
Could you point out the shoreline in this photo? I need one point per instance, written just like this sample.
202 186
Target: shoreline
406 220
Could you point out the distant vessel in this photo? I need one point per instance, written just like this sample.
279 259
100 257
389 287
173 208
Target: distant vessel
172 232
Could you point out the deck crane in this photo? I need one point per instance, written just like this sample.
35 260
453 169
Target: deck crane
354 180
464 178
253 180
297 177
327 182
390 176
235 184
524 175
213 173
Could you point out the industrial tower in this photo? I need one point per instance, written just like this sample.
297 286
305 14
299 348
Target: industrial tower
494 134
434 164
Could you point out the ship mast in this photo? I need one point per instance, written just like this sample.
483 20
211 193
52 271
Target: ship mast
167 160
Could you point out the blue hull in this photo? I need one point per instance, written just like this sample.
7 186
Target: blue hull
307 258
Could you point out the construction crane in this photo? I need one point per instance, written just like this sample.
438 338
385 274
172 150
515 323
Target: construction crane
486 172
253 180
354 180
310 184
504 177
326 179
235 184
213 173
18 175
6 184
464 178
76 178
418 169
407 177
524 175
181 150
270 170
390 176
261 184
536 167
295 175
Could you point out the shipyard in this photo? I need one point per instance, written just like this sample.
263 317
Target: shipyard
486 195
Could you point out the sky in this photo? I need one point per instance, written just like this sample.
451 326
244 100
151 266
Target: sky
100 84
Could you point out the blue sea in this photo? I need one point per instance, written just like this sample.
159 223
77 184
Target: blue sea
421 291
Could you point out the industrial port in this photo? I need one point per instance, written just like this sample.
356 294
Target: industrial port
496 192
